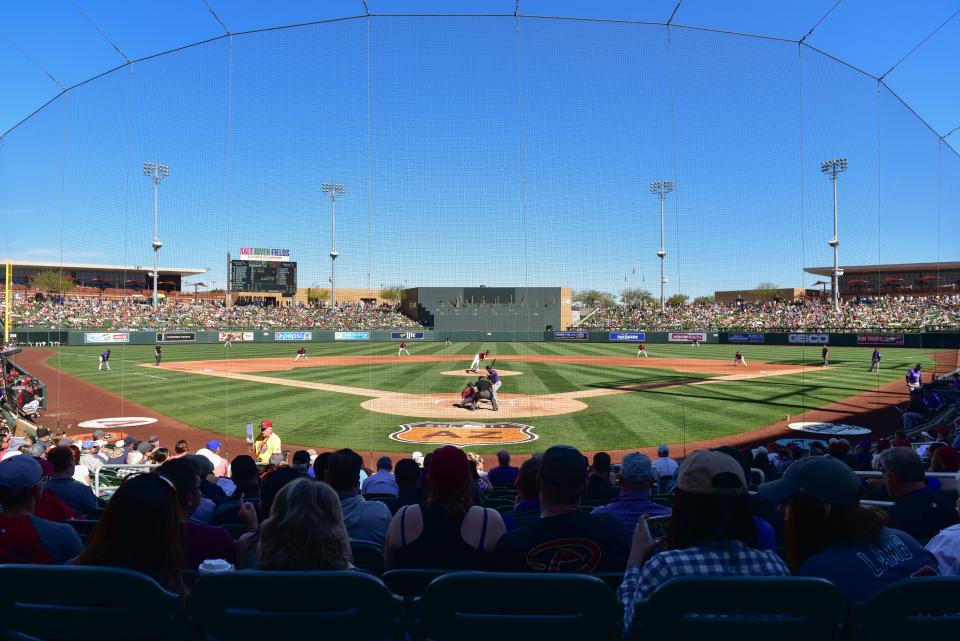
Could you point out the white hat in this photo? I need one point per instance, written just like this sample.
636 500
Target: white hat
418 458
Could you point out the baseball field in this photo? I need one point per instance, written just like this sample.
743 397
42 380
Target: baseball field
593 396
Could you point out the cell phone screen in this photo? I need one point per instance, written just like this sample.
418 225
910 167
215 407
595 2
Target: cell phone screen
658 526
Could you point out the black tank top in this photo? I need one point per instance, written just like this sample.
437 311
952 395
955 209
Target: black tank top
440 544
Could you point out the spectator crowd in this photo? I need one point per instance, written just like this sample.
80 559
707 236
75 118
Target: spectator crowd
768 511
891 312
136 314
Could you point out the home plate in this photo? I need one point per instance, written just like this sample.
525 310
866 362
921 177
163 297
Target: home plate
763 371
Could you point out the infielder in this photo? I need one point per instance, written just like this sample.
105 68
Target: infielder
301 353
104 361
642 349
738 359
157 355
403 349
826 356
695 342
229 341
875 359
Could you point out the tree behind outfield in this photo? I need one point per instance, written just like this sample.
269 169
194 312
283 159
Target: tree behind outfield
637 297
703 300
678 300
391 294
51 280
594 298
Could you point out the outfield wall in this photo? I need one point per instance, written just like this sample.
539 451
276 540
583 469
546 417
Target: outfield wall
929 340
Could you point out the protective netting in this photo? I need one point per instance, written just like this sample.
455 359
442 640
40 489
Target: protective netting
492 150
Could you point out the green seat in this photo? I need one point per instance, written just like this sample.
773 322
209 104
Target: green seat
367 557
259 605
63 603
923 608
463 606
731 607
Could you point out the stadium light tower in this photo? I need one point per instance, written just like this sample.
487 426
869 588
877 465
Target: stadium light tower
661 188
832 168
334 190
157 172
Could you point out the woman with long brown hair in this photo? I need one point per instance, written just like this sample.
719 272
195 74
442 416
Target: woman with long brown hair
305 530
140 530
828 534
447 530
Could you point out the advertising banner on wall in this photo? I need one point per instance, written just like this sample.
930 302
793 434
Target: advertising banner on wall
808 339
880 339
293 336
570 336
351 336
407 336
107 337
627 336
744 338
234 336
687 337
176 337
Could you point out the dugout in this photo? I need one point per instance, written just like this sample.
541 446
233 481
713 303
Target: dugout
492 309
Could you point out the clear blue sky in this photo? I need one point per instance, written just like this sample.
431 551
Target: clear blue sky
451 133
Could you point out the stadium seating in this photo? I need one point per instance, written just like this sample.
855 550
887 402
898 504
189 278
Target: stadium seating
922 608
782 608
64 603
368 557
477 605
238 606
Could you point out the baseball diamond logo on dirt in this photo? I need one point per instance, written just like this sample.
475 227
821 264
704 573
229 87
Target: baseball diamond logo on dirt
464 434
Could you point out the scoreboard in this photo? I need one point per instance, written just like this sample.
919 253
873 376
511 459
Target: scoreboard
263 276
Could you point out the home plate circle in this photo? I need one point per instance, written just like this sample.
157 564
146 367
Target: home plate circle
834 429
463 372
114 423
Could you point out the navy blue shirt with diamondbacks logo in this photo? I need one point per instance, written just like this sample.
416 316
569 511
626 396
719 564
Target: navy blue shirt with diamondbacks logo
573 542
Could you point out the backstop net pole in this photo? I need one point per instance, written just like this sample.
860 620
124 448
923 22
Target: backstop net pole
7 295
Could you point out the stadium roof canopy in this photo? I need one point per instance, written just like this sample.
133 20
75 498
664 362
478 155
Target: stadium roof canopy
48 46
892 268
135 269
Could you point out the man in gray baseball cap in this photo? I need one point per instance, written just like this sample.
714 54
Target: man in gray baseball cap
24 537
636 478
828 534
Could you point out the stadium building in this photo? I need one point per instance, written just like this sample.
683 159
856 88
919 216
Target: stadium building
913 279
131 279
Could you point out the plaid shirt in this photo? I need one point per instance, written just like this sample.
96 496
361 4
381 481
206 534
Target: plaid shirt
731 558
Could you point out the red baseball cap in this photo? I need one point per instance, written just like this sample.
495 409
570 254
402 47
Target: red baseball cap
267 424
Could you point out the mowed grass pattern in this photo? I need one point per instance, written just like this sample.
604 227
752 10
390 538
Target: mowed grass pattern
671 414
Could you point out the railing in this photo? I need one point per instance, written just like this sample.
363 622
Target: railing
107 477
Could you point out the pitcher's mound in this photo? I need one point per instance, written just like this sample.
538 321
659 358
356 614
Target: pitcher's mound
463 372
442 406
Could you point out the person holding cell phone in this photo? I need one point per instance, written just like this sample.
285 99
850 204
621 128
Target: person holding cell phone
711 532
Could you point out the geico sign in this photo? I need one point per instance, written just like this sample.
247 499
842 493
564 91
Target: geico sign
809 339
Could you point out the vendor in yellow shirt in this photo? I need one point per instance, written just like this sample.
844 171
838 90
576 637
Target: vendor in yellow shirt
267 444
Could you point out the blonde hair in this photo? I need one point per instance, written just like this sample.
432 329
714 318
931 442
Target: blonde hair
305 530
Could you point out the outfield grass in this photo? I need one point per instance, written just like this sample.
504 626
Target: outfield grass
619 421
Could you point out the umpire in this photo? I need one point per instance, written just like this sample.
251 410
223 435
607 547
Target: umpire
484 390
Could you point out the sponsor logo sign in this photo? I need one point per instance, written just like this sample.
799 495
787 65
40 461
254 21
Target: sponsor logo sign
628 336
407 336
744 338
808 339
351 336
570 336
293 336
117 422
264 253
107 337
687 337
464 434
833 429
880 339
234 336
176 337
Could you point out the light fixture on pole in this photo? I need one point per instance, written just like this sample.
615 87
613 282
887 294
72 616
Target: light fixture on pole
661 188
832 168
157 172
333 190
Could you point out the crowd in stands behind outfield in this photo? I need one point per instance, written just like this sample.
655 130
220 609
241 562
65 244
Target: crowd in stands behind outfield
931 312
135 314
